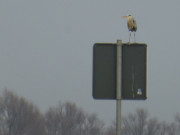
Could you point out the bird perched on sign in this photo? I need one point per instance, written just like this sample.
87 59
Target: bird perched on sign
132 26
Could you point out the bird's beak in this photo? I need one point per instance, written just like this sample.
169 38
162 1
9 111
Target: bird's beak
124 16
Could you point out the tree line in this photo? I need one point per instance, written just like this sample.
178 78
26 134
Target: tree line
20 117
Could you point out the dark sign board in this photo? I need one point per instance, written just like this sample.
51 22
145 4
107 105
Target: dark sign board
134 74
104 71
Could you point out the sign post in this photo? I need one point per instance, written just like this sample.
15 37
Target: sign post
118 86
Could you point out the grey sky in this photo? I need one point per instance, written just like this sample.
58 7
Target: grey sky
46 51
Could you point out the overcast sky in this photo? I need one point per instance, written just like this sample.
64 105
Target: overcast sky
46 51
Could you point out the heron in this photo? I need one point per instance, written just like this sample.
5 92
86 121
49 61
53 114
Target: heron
132 26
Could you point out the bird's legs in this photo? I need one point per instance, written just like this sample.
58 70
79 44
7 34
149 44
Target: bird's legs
135 37
129 36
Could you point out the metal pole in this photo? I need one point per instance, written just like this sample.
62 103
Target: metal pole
118 87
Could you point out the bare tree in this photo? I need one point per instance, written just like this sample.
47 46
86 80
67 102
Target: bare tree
67 119
163 128
172 129
134 124
92 125
153 127
138 123
177 122
18 117
111 130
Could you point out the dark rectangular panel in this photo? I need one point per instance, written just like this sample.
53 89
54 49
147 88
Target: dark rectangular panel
104 71
134 62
